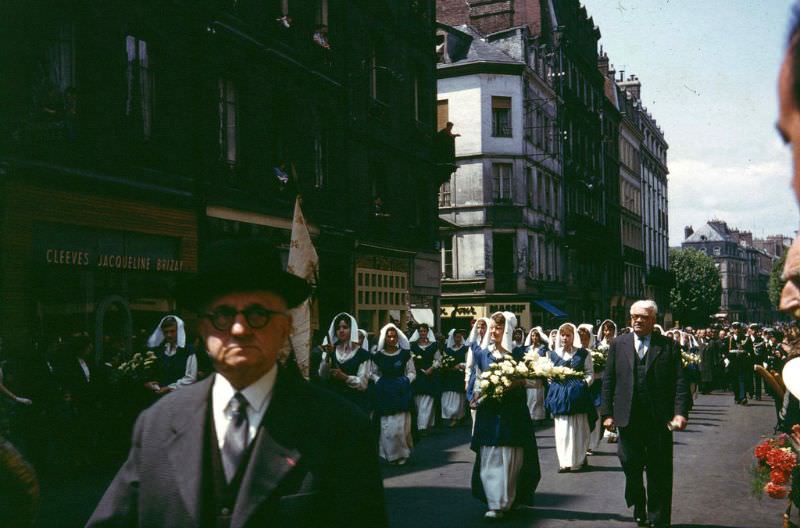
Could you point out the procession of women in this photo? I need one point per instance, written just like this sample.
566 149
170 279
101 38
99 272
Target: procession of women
502 381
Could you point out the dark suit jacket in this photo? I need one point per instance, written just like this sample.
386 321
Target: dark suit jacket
668 387
313 463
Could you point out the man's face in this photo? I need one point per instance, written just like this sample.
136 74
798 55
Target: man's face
170 333
642 320
789 119
242 348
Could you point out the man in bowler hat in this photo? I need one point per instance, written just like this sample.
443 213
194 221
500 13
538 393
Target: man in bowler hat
254 444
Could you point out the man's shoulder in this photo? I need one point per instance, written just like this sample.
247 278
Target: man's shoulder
179 401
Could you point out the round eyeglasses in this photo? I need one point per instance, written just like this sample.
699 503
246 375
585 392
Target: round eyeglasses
223 317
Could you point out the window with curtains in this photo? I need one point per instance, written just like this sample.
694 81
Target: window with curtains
447 257
501 173
140 85
228 121
501 117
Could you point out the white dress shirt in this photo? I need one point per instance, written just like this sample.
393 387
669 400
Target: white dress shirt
258 396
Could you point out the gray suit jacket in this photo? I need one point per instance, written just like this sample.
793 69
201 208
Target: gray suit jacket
668 387
313 463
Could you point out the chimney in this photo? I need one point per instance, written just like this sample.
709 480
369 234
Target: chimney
602 62
687 232
633 87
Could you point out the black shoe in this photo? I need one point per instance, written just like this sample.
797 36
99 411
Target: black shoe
640 516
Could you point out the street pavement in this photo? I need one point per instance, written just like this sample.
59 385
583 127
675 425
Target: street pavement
711 486
712 480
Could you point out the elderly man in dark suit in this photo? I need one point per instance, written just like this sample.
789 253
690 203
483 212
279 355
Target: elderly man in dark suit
253 444
645 396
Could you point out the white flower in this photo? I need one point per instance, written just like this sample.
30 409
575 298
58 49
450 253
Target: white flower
494 379
506 381
484 384
522 369
497 355
485 375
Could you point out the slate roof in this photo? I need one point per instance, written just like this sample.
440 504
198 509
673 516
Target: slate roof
710 233
480 50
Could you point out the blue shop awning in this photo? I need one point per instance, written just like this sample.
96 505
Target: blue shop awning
555 311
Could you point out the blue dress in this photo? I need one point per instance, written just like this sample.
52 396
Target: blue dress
572 396
425 384
505 423
349 367
392 392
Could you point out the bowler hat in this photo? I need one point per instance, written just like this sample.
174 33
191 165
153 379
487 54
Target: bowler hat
240 265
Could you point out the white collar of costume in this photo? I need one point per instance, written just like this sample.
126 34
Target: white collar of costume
402 340
157 337
353 329
600 338
576 339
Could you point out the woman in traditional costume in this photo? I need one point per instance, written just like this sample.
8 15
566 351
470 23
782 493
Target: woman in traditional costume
570 401
479 331
346 369
393 373
506 470
536 342
425 351
605 335
553 339
453 393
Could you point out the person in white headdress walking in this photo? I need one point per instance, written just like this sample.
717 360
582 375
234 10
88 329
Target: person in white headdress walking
453 393
536 342
606 334
570 401
476 336
177 368
427 358
345 370
393 374
506 471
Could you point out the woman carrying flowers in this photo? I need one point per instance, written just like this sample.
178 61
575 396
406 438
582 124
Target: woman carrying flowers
570 401
536 342
506 470
425 351
605 335
453 377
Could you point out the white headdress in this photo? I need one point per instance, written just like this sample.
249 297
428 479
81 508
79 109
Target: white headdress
365 342
576 339
450 339
589 328
602 326
353 329
415 335
508 331
473 333
542 337
660 329
402 340
157 337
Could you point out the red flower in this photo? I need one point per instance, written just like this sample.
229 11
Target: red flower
778 477
762 450
775 491
781 460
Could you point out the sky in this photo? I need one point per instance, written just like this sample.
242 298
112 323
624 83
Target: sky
709 71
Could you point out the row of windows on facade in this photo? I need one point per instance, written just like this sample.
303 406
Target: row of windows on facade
544 258
582 88
381 280
542 195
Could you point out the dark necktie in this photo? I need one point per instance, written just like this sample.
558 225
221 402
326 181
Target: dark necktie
236 436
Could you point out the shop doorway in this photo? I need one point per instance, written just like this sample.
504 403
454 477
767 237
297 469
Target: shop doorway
113 330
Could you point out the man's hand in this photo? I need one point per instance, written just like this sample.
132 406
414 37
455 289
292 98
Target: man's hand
679 423
608 423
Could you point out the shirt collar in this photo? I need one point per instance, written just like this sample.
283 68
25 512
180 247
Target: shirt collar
257 394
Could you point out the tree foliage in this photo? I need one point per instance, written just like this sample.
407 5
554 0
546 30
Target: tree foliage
696 286
775 281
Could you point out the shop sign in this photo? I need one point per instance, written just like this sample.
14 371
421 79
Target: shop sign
462 311
88 248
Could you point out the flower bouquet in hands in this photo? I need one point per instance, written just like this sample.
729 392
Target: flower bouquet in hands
538 367
599 358
689 360
500 378
564 374
140 367
448 362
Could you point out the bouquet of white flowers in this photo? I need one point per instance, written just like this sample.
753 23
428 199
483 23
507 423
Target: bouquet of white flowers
139 367
448 362
599 358
563 374
539 367
495 382
688 359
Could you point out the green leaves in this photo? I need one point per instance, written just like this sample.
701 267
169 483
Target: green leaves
696 286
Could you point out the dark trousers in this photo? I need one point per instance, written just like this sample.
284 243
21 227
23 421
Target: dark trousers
756 385
646 446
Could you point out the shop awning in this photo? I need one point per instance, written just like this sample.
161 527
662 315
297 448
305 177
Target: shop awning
555 311
423 315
